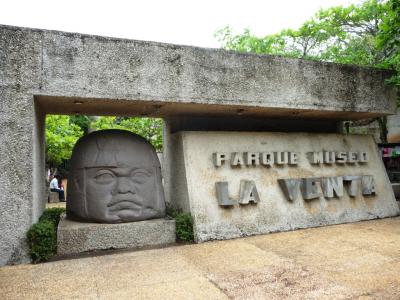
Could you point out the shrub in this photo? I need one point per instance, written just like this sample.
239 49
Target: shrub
42 240
184 224
42 236
184 227
171 211
52 215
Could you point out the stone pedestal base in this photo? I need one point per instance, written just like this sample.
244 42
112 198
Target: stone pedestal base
76 237
53 197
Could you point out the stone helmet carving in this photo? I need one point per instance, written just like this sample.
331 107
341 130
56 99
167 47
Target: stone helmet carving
115 176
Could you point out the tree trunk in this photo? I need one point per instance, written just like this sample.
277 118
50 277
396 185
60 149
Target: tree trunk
383 129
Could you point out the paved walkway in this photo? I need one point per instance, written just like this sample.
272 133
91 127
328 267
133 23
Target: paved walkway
56 204
350 261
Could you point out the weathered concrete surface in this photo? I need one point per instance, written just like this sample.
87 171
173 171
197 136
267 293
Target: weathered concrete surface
194 175
104 70
348 261
76 65
76 237
393 125
53 197
48 72
20 202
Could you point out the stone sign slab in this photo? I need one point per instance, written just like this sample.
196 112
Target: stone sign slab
245 183
77 237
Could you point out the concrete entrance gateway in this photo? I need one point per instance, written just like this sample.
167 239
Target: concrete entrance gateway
252 143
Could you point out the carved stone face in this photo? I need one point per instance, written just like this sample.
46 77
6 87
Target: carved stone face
115 177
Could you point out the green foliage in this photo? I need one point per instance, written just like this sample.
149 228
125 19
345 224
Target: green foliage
52 214
61 136
42 236
82 121
184 224
184 227
366 34
388 39
148 128
105 123
42 241
62 132
246 42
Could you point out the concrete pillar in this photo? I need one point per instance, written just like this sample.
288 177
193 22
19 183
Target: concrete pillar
166 170
21 125
39 188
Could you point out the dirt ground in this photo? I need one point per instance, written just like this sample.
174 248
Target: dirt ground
349 261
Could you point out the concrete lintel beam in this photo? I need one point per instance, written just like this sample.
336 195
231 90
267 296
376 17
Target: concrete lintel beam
190 78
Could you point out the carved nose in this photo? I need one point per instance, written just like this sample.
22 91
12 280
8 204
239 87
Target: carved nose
125 186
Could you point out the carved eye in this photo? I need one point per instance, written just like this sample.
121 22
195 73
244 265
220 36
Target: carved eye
104 176
140 176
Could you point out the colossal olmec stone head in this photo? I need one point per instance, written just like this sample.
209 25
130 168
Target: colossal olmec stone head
115 177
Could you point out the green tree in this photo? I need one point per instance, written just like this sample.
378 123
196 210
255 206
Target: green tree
388 39
61 137
246 42
82 121
367 34
338 34
148 128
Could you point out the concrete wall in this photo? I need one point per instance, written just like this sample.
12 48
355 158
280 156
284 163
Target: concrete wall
20 72
57 72
190 80
39 186
393 124
393 127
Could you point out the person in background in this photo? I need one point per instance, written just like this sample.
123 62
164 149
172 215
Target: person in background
61 186
55 188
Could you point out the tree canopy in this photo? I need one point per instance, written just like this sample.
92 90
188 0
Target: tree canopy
148 128
62 132
61 136
366 34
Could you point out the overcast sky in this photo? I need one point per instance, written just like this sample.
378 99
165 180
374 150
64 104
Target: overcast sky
172 21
